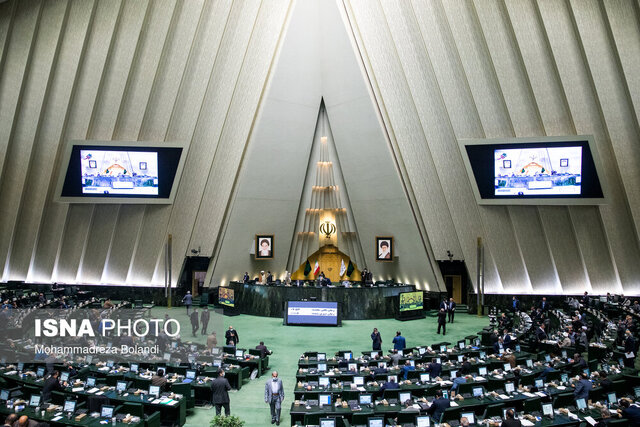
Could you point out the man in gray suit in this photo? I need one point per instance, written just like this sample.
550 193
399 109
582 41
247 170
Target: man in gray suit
274 395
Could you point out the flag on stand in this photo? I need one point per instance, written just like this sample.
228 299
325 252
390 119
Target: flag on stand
350 269
343 268
316 269
307 268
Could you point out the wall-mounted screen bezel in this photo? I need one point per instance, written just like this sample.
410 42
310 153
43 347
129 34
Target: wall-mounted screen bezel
595 195
68 172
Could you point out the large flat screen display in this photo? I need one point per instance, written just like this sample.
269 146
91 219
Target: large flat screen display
312 313
120 172
545 170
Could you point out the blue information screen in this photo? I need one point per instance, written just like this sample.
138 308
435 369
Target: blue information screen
312 313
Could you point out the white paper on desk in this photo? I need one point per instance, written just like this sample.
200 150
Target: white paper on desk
526 423
99 393
174 403
499 377
590 420
77 389
526 393
480 379
541 394
561 387
454 403
630 355
503 396
156 401
93 390
57 418
361 388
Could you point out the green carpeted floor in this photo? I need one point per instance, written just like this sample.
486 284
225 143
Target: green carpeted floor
289 342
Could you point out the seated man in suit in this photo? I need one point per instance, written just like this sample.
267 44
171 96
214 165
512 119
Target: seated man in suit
264 351
499 345
579 361
390 385
465 369
434 368
629 412
510 420
548 368
583 387
159 379
51 384
438 406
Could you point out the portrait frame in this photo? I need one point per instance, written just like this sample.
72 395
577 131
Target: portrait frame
380 240
260 239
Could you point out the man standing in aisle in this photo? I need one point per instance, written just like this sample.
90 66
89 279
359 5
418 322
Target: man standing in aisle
442 321
204 320
377 339
231 337
399 343
274 395
194 321
220 393
451 309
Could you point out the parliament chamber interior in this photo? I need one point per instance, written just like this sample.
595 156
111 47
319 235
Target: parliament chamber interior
263 212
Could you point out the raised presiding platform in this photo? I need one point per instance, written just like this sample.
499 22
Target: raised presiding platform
375 302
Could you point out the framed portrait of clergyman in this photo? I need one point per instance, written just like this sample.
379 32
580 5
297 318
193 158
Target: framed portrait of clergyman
384 248
264 246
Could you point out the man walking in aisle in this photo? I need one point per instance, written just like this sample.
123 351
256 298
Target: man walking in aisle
274 395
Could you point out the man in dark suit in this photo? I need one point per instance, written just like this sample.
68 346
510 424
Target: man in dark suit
51 384
586 300
231 337
541 334
548 368
506 339
544 305
269 277
245 278
434 368
442 321
465 369
583 387
451 308
195 325
510 420
629 349
499 346
631 413
204 320
579 361
264 351
390 385
438 406
274 395
220 391
444 305
377 339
